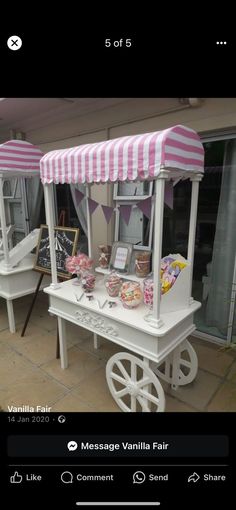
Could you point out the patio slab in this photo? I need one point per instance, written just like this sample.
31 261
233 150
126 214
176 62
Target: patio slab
213 360
32 388
199 392
94 391
225 399
81 366
232 373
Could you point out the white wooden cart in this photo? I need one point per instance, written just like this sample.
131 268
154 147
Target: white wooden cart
18 159
158 339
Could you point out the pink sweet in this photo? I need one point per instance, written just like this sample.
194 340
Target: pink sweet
78 263
148 292
88 282
113 283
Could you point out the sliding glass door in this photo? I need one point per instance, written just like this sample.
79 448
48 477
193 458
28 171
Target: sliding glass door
214 265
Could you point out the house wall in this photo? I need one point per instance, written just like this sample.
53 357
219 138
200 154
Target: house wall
132 116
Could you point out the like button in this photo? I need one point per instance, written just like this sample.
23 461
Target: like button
16 478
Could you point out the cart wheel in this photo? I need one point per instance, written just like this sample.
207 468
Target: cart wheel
133 384
187 366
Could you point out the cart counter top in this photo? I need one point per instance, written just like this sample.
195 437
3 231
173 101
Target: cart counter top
70 293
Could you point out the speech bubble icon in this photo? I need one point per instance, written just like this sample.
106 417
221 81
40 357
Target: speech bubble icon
72 446
139 477
67 477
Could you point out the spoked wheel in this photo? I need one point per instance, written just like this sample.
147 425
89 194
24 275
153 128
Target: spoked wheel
185 364
133 385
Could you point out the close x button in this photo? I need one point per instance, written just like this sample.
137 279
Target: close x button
14 42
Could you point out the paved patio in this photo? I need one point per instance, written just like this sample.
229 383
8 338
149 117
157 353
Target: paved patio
30 374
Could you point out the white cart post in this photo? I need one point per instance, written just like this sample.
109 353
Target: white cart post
192 227
7 264
89 226
50 220
96 342
55 285
155 320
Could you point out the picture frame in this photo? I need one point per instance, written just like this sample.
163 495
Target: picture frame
66 241
121 257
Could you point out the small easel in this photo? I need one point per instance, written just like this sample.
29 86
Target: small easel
61 222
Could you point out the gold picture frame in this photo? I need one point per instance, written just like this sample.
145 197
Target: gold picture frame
66 240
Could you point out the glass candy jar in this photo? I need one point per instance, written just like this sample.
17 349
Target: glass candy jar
131 294
88 281
148 285
104 256
142 264
113 284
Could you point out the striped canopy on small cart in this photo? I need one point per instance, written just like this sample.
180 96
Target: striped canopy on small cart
19 158
130 158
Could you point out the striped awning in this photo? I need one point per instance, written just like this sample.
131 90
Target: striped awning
19 158
130 158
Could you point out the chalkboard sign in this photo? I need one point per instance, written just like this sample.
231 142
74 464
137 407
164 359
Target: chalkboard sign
66 240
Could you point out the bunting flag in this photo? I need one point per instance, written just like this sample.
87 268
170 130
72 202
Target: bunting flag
78 196
169 194
107 211
125 212
146 206
92 205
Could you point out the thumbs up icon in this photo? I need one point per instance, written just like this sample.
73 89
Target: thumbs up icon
16 478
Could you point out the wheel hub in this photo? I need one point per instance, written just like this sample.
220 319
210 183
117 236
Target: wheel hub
132 389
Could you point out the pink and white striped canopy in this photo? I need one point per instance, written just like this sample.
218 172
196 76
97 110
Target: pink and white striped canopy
19 158
139 157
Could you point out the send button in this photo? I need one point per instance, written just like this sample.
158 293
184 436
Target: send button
158 478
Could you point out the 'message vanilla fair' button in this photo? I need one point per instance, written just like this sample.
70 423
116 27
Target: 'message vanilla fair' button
124 445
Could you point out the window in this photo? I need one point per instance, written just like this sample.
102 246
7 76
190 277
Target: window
139 228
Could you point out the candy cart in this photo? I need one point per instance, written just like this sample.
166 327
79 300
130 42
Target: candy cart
155 340
18 159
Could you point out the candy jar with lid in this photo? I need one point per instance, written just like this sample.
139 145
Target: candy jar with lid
113 284
104 256
142 264
78 264
148 285
131 294
88 281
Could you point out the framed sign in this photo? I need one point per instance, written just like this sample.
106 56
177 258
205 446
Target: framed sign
121 257
66 240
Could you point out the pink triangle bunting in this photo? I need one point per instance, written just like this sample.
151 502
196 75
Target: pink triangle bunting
146 206
78 196
92 205
169 194
107 211
125 212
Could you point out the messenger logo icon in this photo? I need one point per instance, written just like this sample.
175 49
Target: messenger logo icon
72 446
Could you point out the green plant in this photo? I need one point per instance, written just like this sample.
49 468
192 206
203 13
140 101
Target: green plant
228 347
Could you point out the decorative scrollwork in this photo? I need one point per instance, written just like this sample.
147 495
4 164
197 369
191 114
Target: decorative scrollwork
96 322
